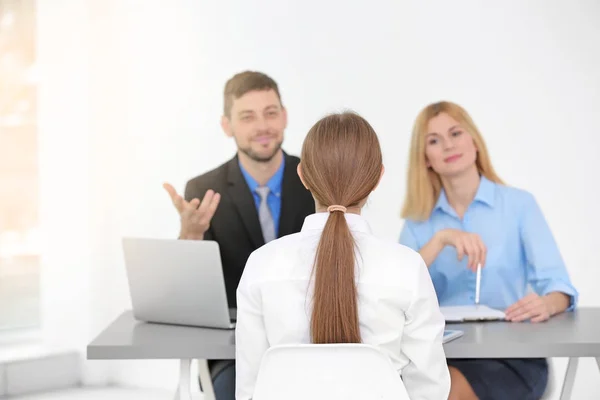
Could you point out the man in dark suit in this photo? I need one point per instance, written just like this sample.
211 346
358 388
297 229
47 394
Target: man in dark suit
253 198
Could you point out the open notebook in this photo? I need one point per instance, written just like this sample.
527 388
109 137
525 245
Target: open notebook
471 313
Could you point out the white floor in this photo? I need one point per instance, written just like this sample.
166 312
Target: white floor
99 394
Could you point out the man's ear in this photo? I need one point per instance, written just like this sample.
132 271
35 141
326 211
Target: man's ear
285 117
299 172
226 126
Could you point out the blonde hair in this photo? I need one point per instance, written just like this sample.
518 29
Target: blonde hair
423 184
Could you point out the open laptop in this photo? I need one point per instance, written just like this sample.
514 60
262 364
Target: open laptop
177 282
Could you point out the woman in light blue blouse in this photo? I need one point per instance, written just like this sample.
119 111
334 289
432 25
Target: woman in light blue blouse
460 214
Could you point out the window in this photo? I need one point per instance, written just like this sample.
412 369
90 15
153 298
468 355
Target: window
19 247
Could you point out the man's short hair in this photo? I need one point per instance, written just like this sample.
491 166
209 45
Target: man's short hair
245 82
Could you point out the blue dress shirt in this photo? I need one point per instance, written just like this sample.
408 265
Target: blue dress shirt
274 198
521 250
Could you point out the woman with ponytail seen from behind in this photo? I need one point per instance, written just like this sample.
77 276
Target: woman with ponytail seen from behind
334 281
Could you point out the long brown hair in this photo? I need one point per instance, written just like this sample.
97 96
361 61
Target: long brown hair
341 165
424 184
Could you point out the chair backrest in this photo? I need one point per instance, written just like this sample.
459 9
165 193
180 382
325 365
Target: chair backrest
328 371
552 391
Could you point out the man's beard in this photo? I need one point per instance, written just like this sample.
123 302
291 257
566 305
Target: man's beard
257 157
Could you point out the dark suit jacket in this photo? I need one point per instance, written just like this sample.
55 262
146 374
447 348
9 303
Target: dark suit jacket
235 225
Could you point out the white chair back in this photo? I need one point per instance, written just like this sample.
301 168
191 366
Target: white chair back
552 390
327 372
560 385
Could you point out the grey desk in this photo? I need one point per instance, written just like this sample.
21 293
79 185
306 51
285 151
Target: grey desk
571 335
129 339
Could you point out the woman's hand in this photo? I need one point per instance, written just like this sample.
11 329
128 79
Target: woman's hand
469 244
533 306
538 308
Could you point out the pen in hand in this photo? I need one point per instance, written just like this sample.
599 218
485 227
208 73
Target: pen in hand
478 284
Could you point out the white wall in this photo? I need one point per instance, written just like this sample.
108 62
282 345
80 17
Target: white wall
63 125
528 72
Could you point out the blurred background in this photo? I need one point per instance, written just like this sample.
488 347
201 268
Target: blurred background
101 101
19 178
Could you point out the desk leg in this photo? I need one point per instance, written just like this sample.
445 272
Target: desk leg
183 391
567 387
205 380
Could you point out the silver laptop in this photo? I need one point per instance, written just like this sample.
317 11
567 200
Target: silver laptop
177 282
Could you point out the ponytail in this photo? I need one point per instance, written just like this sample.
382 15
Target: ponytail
341 165
335 302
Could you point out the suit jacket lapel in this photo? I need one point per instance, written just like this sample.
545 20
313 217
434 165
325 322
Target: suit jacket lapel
291 195
244 202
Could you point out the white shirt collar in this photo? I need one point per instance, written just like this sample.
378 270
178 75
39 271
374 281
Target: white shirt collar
317 221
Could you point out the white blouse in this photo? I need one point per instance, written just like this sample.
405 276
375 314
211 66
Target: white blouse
397 306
